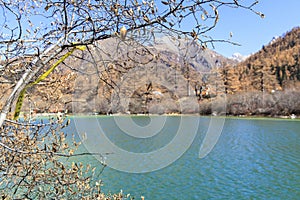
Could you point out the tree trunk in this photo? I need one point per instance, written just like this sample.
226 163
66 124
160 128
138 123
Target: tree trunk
26 78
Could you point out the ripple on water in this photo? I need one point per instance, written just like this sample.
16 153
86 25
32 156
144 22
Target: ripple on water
253 159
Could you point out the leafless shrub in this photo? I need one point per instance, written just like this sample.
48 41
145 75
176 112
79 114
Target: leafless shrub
267 104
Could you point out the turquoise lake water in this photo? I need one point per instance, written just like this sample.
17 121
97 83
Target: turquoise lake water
252 159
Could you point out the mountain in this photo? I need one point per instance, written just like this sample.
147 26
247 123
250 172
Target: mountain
169 76
275 67
125 76
160 77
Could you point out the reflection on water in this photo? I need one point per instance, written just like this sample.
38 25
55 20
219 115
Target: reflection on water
253 159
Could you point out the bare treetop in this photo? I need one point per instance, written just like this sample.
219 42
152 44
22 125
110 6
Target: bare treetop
30 27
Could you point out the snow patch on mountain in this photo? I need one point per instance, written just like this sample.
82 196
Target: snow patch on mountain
238 57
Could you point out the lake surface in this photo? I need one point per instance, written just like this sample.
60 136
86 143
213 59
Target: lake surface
252 159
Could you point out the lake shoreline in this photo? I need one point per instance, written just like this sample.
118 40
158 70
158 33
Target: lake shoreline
60 114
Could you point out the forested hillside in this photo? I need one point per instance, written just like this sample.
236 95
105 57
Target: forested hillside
275 67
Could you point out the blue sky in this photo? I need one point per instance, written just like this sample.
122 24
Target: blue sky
250 30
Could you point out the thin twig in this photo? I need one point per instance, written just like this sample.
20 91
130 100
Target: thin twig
52 153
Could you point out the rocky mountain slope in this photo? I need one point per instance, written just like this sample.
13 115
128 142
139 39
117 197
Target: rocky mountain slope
123 77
